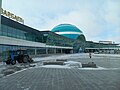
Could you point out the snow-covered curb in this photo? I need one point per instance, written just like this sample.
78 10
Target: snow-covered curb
68 64
55 66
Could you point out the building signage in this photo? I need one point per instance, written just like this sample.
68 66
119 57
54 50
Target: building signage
12 16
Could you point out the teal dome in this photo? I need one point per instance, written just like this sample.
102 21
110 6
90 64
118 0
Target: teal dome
68 30
66 27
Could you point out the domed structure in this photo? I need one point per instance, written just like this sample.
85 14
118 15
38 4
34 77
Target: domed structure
69 31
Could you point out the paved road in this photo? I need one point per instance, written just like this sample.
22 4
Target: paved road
102 61
62 79
66 79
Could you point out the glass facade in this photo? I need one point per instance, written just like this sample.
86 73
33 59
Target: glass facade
4 51
102 48
58 40
19 34
14 29
41 51
10 28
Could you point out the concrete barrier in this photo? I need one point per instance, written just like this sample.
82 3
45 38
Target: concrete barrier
53 63
63 60
90 64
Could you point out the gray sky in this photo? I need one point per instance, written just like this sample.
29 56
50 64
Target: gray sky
98 19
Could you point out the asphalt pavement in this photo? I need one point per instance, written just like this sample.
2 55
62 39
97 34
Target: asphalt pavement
40 78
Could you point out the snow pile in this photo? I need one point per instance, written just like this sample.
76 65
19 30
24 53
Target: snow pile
68 64
73 64
55 66
2 66
98 68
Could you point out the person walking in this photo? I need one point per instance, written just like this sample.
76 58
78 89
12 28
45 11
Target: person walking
90 55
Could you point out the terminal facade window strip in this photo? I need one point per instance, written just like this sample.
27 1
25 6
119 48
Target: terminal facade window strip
58 40
5 48
16 30
16 33
100 47
31 50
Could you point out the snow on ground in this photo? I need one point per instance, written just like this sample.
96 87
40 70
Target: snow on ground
53 57
75 56
2 66
71 67
99 68
73 64
107 55
55 66
68 64
66 56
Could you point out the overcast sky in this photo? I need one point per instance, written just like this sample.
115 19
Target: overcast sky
98 19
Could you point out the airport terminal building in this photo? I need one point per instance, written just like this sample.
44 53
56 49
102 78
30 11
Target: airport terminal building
64 38
14 36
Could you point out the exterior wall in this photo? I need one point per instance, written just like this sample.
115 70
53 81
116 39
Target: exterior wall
15 36
14 29
103 51
33 48
58 40
102 48
19 42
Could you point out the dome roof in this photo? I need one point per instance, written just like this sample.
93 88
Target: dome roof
66 27
68 30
